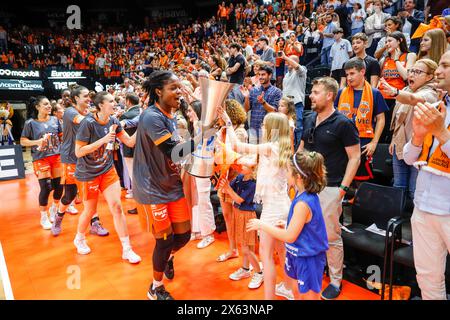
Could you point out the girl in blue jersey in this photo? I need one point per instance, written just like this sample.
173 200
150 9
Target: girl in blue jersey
305 235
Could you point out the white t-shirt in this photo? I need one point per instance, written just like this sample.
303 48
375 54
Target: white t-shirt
340 53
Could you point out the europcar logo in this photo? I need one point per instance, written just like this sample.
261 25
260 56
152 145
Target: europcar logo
19 73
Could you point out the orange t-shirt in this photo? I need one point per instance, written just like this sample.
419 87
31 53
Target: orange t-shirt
390 73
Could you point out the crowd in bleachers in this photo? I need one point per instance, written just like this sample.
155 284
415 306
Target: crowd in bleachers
381 64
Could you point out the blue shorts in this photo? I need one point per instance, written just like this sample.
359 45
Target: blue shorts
308 271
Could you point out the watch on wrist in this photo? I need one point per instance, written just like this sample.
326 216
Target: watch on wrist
345 188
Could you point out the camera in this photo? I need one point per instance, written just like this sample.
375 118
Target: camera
280 54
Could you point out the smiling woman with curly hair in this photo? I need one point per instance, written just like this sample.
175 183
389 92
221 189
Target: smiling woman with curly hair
237 114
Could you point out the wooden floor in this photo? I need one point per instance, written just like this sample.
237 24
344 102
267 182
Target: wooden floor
41 266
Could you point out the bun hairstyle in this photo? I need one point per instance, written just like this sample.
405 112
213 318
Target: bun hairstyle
75 91
156 80
311 168
33 102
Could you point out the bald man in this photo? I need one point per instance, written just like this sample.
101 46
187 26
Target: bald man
294 84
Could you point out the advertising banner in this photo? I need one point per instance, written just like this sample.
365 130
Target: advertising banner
21 85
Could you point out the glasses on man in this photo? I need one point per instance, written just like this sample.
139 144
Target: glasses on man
416 72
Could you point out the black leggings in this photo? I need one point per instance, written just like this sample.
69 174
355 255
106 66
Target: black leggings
70 193
47 185
164 247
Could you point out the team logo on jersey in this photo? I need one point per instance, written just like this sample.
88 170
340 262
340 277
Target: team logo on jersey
364 108
301 283
93 188
345 109
159 214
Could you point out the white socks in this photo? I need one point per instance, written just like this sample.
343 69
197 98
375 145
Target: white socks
125 243
80 236
44 214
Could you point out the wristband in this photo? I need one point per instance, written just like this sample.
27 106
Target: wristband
345 188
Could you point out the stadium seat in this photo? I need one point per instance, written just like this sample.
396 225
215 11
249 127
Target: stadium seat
382 165
402 254
374 204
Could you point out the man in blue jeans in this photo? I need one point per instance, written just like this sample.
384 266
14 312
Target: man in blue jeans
328 40
294 84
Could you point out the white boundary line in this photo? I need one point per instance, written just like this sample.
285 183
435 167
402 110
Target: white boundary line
4 276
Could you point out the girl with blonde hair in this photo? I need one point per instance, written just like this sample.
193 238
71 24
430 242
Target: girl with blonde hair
271 187
433 45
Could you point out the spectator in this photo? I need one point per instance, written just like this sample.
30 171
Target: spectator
420 90
357 18
411 19
294 84
391 24
359 45
285 28
341 152
328 41
312 42
340 52
236 65
433 45
132 110
394 69
429 149
365 106
374 26
261 100
267 55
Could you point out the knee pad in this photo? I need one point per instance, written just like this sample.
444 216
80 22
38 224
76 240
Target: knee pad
57 188
162 252
70 192
180 240
46 188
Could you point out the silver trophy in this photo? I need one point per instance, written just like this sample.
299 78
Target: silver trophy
214 93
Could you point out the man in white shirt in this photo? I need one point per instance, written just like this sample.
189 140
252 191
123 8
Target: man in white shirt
411 19
286 32
429 150
294 84
341 50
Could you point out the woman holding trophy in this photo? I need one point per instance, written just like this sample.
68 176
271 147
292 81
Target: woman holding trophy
162 205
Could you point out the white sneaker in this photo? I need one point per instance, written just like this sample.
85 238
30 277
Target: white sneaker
195 236
206 241
282 291
257 280
45 222
131 256
52 212
240 274
82 247
71 209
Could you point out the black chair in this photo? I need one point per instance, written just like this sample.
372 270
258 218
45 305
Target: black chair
401 254
382 164
379 205
317 72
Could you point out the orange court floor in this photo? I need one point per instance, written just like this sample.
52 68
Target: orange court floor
41 266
